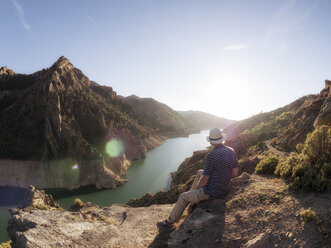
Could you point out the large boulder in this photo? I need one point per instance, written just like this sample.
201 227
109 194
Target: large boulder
40 223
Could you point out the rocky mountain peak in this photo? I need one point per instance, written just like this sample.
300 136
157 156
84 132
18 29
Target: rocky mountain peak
65 74
5 71
62 63
328 85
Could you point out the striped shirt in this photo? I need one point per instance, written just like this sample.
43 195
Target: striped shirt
218 165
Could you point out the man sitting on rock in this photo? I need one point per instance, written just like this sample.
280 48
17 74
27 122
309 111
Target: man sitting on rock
212 182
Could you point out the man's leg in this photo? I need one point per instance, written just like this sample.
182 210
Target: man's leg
192 196
197 179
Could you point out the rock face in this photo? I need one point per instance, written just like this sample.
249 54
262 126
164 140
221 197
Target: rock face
324 116
302 124
41 223
56 124
314 112
5 73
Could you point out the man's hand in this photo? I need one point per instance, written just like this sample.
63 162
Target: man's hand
203 181
235 172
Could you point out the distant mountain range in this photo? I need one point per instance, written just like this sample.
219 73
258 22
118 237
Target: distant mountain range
58 113
169 122
160 117
203 120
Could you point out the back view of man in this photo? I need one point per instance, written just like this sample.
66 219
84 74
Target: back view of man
220 165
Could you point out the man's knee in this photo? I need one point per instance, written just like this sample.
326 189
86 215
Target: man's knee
200 173
184 197
190 196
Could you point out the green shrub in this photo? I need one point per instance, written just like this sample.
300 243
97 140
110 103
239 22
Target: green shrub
318 145
285 166
6 245
310 169
267 129
267 165
308 215
78 203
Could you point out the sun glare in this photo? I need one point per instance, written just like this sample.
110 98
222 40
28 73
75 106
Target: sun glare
114 148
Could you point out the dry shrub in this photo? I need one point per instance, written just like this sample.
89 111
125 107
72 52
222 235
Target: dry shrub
311 168
267 165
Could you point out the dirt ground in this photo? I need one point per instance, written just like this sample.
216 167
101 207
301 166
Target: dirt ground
265 205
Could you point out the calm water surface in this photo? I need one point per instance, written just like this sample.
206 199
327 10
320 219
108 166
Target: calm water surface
150 174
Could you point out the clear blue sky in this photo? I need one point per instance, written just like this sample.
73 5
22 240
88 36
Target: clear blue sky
228 58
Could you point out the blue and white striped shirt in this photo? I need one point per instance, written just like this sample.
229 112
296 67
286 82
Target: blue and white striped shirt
218 165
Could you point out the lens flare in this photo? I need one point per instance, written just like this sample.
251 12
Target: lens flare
63 172
114 148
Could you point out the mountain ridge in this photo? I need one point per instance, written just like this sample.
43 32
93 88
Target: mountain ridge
58 113
55 113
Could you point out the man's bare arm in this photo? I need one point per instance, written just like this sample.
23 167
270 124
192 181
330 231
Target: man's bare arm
203 181
235 172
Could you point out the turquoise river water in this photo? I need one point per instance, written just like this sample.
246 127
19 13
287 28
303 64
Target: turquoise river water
147 175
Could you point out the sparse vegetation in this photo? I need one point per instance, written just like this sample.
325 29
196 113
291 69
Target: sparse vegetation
40 206
311 168
266 130
108 220
78 203
5 245
308 215
267 165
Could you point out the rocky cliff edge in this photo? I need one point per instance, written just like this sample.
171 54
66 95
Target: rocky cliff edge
257 212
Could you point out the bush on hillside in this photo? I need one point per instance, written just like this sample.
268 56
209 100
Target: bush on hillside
308 215
266 130
310 169
267 165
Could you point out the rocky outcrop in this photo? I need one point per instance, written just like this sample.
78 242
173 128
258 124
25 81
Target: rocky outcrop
302 124
5 73
324 116
41 223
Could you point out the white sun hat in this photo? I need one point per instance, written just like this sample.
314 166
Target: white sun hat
216 136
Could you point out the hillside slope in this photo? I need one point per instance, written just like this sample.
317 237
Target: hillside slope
286 126
161 117
57 119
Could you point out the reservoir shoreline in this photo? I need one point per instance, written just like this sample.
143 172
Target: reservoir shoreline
147 175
